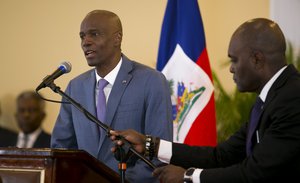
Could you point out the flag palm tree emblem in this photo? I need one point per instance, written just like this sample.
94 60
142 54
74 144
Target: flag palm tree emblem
183 103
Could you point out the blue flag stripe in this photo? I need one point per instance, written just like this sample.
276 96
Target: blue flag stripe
182 25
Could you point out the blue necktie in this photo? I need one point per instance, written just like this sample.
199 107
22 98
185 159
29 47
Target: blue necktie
101 103
254 119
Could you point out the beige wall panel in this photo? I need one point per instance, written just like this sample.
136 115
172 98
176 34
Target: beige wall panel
36 36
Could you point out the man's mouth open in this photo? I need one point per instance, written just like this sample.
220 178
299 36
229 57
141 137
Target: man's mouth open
89 53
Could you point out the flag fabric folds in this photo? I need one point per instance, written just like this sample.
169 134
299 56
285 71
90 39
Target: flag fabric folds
183 59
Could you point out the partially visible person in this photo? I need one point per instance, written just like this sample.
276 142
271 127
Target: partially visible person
6 136
133 96
264 150
30 114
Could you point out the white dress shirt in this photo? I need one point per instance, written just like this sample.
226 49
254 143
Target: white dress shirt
31 138
110 78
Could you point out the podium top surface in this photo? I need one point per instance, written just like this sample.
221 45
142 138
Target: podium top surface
15 151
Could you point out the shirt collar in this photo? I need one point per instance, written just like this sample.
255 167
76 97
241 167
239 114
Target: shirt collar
264 92
112 75
31 135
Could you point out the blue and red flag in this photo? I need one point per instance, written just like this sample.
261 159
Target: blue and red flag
183 59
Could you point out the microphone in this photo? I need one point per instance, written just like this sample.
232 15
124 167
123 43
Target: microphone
64 67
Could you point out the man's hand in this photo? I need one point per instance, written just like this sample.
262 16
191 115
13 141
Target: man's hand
136 139
169 173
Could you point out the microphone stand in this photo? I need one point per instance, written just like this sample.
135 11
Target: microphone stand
123 153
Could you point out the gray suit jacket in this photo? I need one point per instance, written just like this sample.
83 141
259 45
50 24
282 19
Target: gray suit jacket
139 100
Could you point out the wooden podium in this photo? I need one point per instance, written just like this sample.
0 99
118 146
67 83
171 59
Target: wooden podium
19 165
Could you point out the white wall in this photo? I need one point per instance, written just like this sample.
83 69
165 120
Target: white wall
287 15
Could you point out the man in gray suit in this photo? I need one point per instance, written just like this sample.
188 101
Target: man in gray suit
136 97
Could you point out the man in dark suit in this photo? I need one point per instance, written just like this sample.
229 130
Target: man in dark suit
134 96
7 137
267 148
30 114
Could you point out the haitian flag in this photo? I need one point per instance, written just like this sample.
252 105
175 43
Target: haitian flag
183 59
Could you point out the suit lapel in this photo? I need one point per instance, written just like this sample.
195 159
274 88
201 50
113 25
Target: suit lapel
281 80
88 96
38 142
42 141
121 82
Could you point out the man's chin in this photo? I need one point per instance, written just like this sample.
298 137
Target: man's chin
91 63
242 90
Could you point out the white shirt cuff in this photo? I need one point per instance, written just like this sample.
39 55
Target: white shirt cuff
165 154
196 175
164 151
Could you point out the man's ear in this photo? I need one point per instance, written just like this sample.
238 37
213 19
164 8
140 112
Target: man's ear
118 38
259 59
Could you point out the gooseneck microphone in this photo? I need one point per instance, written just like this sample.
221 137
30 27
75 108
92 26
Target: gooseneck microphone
64 67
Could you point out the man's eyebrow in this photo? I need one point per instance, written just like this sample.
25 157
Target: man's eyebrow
90 30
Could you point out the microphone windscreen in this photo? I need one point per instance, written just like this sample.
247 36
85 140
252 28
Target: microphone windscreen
67 66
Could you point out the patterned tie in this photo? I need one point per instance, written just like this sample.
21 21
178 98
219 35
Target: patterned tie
101 105
255 115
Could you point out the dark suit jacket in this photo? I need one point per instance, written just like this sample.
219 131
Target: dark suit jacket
276 158
7 138
43 140
10 139
139 99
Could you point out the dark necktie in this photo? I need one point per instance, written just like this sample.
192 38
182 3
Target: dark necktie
254 119
101 104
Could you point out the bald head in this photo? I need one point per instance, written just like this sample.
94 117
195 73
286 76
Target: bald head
30 111
103 15
263 35
32 96
257 52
